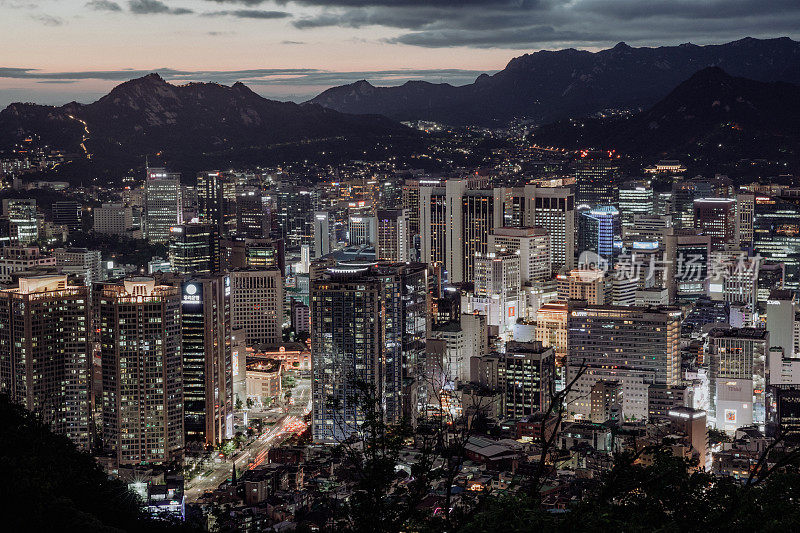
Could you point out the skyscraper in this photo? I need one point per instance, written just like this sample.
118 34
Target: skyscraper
600 232
533 247
257 304
194 248
23 223
553 208
207 363
635 198
163 207
596 177
140 342
211 199
716 217
45 353
368 324
526 378
393 240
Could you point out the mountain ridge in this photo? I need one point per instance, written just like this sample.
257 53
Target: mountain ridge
549 85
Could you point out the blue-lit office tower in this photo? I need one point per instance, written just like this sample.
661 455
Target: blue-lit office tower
599 231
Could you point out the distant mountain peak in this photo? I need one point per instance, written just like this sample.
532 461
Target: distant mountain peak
547 85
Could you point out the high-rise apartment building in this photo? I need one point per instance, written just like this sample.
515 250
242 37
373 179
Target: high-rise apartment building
368 325
163 204
142 369
45 353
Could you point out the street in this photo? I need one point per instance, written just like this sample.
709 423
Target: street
286 423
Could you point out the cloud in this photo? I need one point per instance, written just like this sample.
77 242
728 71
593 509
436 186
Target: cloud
292 42
48 20
255 77
103 5
241 2
155 7
250 14
556 23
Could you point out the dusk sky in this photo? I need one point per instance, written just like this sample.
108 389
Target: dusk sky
54 51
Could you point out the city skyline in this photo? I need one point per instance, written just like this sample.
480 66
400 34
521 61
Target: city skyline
292 50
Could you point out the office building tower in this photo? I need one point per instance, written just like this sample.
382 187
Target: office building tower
67 213
257 305
293 215
783 412
781 312
588 285
551 329
716 217
646 232
258 254
22 219
684 193
462 343
142 368
194 248
738 376
770 277
113 219
207 359
533 247
687 258
623 290
81 262
46 354
600 233
776 235
636 197
745 215
392 243
526 378
368 324
498 287
553 208
362 231
662 399
636 346
324 233
596 180
211 199
163 204
252 215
